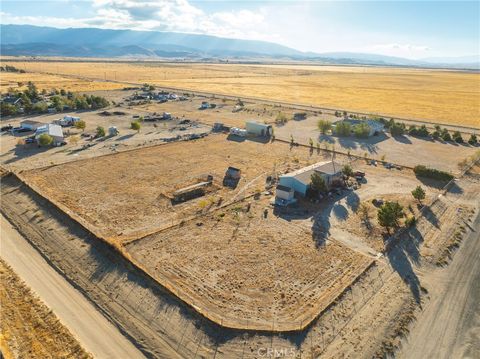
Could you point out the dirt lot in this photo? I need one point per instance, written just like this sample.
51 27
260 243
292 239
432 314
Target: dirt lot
264 273
132 202
28 328
437 95
362 324
16 155
405 150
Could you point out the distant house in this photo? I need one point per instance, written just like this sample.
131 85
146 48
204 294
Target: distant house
55 131
299 180
31 125
16 101
375 126
258 129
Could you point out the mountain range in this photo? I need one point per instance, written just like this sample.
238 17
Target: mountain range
28 40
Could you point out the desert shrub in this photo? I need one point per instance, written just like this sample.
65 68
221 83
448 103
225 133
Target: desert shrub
281 119
324 126
410 221
423 171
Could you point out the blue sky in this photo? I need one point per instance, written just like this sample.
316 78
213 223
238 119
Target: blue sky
412 29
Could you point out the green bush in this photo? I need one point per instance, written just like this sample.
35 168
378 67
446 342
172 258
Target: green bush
45 139
445 135
100 131
343 129
361 130
397 129
473 140
457 137
410 221
324 126
423 171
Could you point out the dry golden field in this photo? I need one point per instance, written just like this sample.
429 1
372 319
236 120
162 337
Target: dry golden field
437 95
29 329
48 82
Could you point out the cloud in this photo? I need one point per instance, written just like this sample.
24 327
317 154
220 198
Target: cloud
164 15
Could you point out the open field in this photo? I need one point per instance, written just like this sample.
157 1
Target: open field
254 272
123 196
450 97
49 82
28 328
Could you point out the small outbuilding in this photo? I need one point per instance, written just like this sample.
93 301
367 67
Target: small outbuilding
232 177
258 129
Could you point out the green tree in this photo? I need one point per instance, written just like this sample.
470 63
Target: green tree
457 137
389 214
80 125
347 170
343 129
317 183
446 135
7 109
324 126
362 130
135 125
100 131
473 139
397 129
45 139
419 194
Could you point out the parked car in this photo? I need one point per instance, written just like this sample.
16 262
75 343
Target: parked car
30 140
20 129
6 128
359 174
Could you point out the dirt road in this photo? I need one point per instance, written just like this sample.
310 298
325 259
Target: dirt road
450 325
96 334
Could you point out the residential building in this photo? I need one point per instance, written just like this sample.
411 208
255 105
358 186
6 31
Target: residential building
299 180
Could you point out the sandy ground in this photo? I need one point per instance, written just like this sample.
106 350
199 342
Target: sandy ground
123 196
449 325
404 150
28 327
356 326
86 323
255 272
